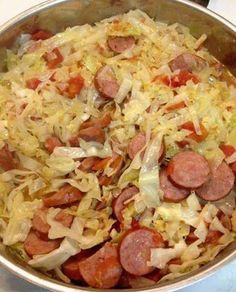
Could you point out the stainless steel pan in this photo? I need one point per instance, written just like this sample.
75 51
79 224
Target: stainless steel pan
59 14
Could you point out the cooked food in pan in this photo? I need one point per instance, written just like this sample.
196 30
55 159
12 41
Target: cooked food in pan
118 152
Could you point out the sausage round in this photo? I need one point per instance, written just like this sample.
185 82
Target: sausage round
33 245
51 143
106 82
118 203
171 192
96 134
71 267
6 159
219 184
102 122
40 224
66 195
187 62
103 269
135 250
138 142
119 44
88 163
188 169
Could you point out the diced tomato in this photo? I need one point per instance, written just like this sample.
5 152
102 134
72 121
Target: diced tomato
75 86
194 136
6 159
176 106
182 143
163 79
135 223
33 83
51 143
41 35
227 149
182 78
53 58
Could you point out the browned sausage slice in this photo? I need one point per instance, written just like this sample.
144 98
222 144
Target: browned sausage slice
6 159
171 192
102 122
135 250
187 62
40 224
71 267
136 144
66 195
106 82
96 134
188 169
33 245
118 203
219 184
120 44
88 163
102 270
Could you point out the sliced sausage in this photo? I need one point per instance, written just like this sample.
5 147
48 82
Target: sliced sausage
51 143
187 62
40 224
102 122
6 159
137 143
106 82
135 250
33 245
213 236
172 193
71 267
103 269
66 195
219 184
119 44
88 163
118 203
96 134
188 169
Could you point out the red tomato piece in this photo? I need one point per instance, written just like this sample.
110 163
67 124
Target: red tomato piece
182 78
53 58
75 86
194 136
162 78
33 83
227 149
41 35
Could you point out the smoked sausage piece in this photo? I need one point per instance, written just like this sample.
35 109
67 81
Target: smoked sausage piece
188 169
187 62
219 184
119 44
103 269
172 193
135 250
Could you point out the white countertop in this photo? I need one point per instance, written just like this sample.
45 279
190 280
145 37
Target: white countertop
222 281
